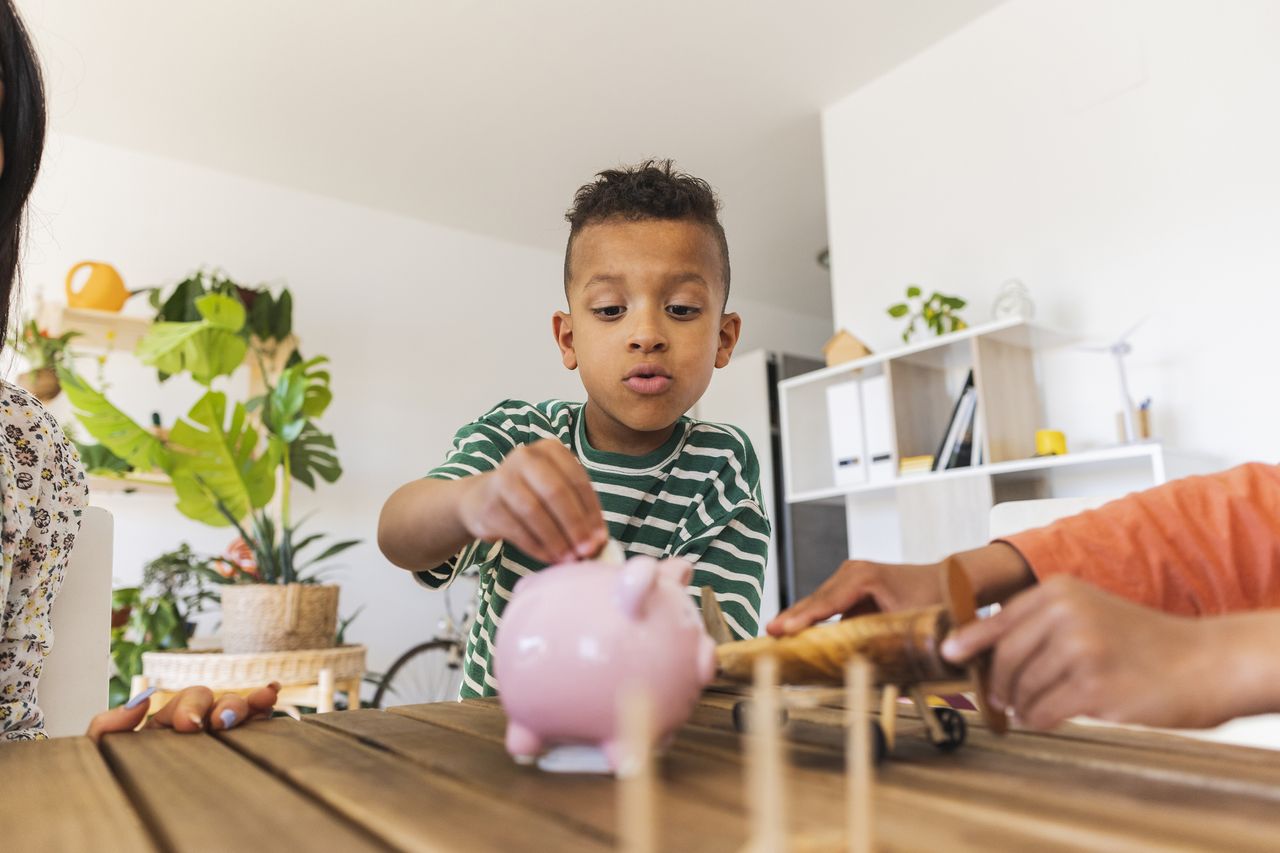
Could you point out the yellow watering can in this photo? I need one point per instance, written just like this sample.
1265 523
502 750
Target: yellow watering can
103 290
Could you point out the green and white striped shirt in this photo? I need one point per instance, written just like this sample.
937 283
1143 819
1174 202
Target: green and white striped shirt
696 497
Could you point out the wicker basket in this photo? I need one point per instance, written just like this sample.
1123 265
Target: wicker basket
273 618
218 671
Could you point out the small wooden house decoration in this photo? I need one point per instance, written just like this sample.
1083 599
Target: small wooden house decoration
842 347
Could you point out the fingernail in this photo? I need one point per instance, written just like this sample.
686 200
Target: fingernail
995 702
139 699
196 719
228 718
951 649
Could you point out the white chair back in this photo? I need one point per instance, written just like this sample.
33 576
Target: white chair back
1017 516
73 685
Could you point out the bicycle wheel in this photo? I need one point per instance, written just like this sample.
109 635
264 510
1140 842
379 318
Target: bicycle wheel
429 672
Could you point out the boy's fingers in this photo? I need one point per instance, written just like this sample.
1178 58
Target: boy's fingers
528 509
1017 654
513 529
119 719
976 637
566 490
1056 704
1050 666
552 496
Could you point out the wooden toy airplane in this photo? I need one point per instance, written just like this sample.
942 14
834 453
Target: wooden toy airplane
902 648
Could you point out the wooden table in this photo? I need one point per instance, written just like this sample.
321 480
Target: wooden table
436 777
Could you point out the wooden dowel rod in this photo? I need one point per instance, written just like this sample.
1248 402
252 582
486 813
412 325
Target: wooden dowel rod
766 783
859 780
636 820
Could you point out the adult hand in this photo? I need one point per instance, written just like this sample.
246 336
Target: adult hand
860 587
1066 648
195 709
541 500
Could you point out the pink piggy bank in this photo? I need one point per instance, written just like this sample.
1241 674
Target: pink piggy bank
577 635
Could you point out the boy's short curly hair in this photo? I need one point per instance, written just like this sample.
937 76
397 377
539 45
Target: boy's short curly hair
653 189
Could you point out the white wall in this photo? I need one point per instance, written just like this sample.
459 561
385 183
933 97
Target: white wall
1119 156
427 327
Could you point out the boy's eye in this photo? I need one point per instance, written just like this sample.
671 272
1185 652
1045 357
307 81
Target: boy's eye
683 310
609 311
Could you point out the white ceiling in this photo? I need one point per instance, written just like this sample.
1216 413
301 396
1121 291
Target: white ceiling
485 115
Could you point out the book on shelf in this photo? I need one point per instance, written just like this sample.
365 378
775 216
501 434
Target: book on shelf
915 465
956 449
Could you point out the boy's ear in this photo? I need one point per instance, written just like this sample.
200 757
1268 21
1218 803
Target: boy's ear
730 329
562 326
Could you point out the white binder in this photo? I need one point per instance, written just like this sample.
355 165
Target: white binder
848 448
877 418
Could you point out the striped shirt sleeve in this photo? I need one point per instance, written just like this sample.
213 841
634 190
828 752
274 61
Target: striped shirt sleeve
729 548
478 447
730 557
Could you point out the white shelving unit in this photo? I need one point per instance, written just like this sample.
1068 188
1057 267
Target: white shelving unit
922 517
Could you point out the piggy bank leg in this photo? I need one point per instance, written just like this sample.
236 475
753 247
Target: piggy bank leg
522 744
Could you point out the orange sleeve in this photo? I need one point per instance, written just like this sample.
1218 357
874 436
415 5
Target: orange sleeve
1197 546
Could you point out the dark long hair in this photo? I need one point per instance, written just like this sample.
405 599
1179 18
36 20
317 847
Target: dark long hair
22 124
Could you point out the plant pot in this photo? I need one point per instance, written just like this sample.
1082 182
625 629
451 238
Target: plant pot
278 618
43 382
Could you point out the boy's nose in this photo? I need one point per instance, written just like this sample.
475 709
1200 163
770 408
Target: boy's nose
646 340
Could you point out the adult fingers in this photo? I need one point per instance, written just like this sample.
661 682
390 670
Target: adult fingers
185 712
229 710
125 718
1017 654
1060 702
966 642
837 594
263 700
1054 664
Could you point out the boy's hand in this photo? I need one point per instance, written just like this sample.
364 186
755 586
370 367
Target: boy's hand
1066 648
860 587
540 500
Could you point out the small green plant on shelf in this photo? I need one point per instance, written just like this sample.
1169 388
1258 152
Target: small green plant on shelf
937 313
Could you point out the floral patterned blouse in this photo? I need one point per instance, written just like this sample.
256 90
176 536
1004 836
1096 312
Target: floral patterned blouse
43 490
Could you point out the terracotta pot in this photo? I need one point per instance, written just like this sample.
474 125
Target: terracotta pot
42 382
278 618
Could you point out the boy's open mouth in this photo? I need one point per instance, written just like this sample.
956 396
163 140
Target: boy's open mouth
647 379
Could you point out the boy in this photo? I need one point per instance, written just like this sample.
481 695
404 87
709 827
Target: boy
646 276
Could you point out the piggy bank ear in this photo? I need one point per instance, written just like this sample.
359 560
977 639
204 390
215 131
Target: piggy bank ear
680 571
635 584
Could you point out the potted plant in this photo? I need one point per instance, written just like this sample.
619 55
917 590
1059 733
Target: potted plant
938 312
44 353
234 463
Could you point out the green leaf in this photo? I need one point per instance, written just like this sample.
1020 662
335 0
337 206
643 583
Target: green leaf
205 350
899 310
260 315
282 316
118 433
97 459
314 454
913 291
221 312
953 302
332 551
214 462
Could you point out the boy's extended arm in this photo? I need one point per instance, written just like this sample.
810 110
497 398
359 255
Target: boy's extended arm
421 524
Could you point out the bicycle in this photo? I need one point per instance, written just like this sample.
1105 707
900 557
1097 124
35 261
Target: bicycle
430 671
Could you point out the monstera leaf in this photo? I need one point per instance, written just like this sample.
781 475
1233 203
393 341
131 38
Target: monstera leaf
214 462
210 347
116 430
313 454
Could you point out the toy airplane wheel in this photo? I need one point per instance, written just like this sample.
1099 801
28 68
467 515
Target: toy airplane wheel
954 729
741 714
879 743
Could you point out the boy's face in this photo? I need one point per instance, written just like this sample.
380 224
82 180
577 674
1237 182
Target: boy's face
646 324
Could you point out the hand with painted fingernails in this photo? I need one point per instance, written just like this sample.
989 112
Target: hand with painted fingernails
194 709
540 500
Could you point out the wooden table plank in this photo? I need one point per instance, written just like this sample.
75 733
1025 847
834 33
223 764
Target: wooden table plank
59 795
1137 794
196 794
476 757
393 798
